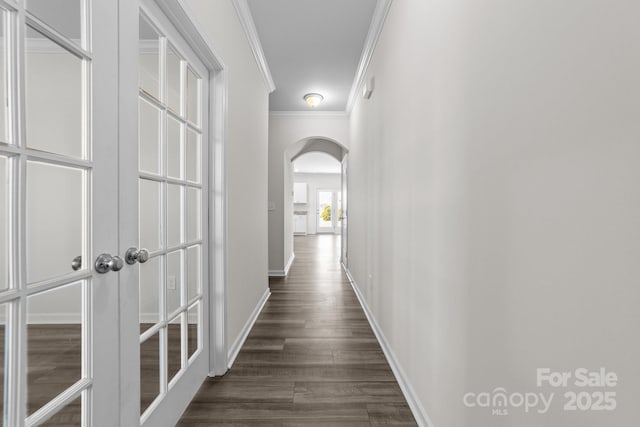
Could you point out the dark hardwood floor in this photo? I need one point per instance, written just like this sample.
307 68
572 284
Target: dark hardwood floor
311 359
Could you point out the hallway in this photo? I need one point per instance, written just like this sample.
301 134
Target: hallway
311 358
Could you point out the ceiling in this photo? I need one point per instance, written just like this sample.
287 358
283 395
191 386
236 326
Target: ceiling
312 46
316 163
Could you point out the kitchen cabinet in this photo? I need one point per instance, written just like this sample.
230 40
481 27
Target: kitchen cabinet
300 224
299 192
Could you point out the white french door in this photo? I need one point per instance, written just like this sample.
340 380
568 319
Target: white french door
103 241
58 209
172 198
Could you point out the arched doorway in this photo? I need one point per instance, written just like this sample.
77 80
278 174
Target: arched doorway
317 194
312 144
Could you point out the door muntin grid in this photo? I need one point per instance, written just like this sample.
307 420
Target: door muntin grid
177 225
31 44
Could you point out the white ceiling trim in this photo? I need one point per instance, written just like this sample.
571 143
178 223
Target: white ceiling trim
244 15
309 114
375 29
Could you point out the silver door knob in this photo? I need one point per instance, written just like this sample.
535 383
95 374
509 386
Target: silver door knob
106 263
76 264
134 255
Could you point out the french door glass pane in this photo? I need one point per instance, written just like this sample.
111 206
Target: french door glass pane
193 329
4 101
149 215
193 156
149 136
149 371
174 281
55 345
173 80
194 272
150 285
174 215
194 214
55 213
54 99
174 347
69 23
193 98
149 59
174 148
5 227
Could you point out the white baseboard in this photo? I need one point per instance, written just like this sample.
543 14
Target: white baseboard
283 273
242 337
289 264
276 273
419 413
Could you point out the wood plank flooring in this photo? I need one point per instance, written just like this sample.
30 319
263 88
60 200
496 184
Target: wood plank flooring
311 359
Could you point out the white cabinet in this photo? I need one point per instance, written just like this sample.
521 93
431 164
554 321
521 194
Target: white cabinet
300 224
299 192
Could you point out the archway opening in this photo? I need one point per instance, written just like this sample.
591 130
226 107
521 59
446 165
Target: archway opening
317 194
308 218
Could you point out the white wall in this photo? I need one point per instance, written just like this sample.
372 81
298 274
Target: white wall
246 161
315 182
284 131
494 209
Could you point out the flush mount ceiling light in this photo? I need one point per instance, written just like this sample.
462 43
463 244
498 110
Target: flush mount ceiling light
313 99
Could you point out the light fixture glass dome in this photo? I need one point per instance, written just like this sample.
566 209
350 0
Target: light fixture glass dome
313 99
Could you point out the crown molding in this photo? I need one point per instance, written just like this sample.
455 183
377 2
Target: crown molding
249 27
309 114
375 29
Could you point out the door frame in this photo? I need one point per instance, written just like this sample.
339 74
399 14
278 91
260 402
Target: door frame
180 16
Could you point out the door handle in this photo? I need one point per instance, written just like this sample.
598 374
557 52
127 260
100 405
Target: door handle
106 263
76 264
134 255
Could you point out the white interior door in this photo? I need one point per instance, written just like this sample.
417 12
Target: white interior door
58 210
173 228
